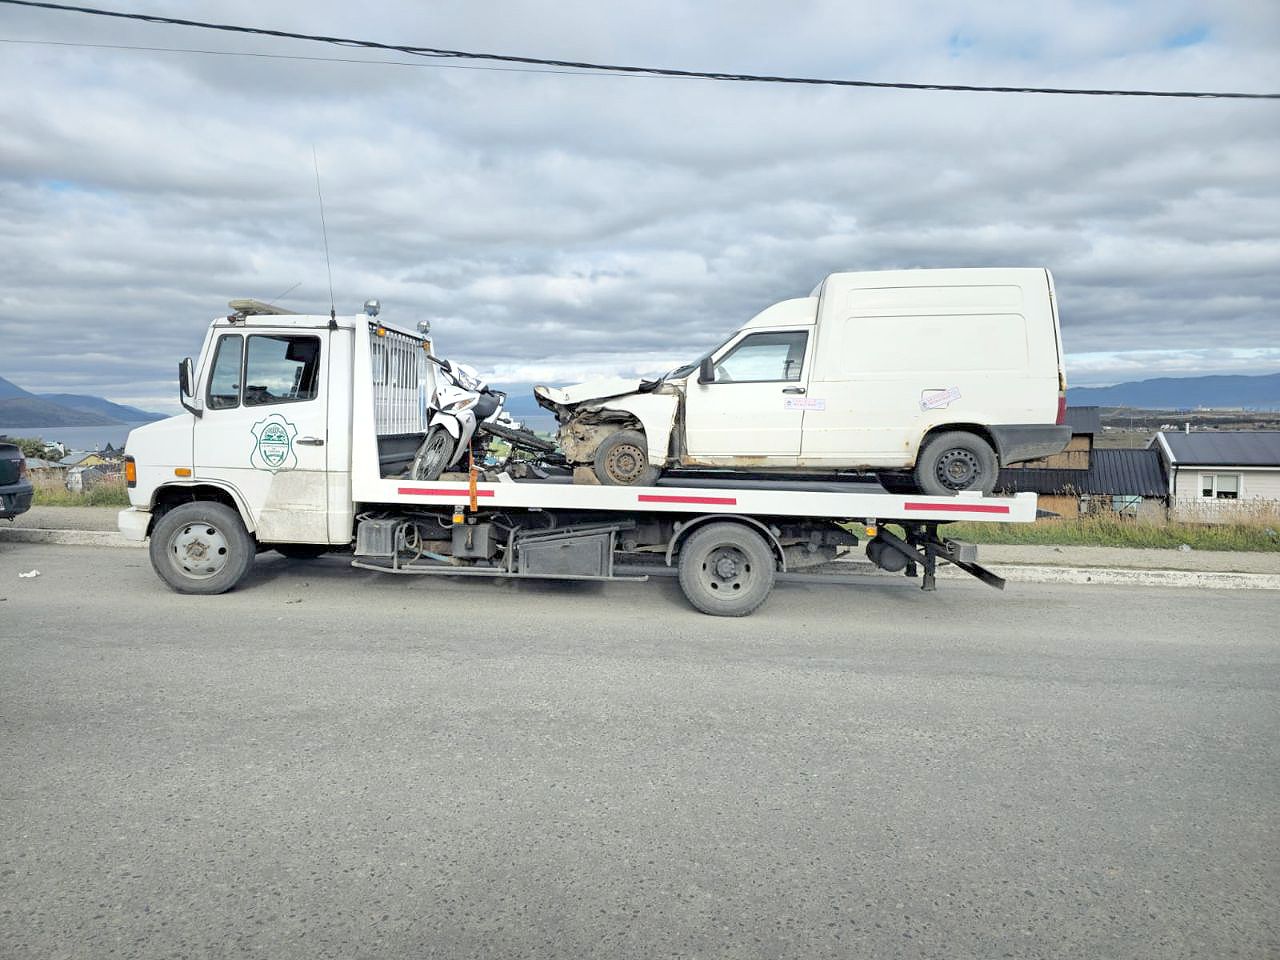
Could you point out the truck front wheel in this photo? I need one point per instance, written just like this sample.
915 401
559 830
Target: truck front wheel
201 547
726 569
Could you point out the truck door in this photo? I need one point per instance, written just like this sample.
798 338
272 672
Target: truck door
756 404
264 431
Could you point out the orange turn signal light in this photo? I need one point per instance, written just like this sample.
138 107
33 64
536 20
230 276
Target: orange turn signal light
130 472
182 471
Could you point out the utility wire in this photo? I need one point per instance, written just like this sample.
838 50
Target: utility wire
575 65
429 64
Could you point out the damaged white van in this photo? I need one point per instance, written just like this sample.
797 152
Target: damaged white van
932 379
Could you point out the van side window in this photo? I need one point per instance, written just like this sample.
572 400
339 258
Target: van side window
764 356
224 381
281 369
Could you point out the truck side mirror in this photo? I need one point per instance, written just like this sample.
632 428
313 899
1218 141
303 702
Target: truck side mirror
706 372
186 383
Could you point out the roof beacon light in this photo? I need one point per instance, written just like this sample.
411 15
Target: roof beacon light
371 308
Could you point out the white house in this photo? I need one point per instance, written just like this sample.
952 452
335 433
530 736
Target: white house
1219 474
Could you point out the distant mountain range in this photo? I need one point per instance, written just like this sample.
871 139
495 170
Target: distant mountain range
1184 393
22 408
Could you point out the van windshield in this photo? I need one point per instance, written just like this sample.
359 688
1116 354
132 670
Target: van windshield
685 369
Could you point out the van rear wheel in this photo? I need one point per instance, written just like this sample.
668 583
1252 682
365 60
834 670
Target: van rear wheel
955 461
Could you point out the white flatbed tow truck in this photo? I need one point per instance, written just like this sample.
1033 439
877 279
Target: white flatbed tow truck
299 431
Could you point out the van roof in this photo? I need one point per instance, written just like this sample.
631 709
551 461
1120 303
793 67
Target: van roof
928 276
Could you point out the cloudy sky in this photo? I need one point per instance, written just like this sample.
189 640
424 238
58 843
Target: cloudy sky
554 227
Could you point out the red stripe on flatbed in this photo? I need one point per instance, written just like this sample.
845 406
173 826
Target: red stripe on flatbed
443 492
660 498
958 507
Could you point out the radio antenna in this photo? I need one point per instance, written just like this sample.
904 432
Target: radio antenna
333 314
285 294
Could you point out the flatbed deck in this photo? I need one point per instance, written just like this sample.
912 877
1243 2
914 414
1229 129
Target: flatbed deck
865 502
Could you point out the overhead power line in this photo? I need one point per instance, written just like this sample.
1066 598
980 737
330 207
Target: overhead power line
575 65
363 61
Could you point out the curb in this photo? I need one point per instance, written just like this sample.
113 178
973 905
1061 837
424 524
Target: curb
1106 576
1195 579
1012 572
68 538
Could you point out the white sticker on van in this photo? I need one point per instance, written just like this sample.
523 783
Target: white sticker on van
804 403
936 399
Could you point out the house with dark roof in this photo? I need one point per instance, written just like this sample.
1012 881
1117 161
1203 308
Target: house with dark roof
1083 479
1213 474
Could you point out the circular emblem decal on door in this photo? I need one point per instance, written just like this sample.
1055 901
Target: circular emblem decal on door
273 444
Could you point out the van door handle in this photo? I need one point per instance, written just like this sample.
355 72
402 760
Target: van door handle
310 442
785 390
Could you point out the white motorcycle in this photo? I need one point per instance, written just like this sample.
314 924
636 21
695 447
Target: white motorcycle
465 410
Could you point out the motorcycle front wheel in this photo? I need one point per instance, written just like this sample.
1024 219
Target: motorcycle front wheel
433 456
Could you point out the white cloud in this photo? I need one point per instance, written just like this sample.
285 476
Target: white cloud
555 226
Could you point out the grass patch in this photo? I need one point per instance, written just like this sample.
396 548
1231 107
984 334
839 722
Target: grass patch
1112 530
52 492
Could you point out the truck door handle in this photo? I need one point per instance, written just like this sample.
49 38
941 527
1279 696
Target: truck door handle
785 390
310 442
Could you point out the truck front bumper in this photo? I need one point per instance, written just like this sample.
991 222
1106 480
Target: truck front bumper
133 523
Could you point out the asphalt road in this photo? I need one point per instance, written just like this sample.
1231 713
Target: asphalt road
334 763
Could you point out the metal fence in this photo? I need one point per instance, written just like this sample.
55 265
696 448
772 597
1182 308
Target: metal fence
402 380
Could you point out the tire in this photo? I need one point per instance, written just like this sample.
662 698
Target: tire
300 551
521 439
726 569
622 460
201 547
955 461
433 456
897 482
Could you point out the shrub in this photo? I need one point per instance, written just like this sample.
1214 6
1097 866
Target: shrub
51 491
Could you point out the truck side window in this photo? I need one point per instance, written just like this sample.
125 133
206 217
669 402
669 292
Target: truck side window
764 356
224 381
281 369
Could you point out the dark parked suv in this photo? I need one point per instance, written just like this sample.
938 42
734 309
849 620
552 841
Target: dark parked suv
15 485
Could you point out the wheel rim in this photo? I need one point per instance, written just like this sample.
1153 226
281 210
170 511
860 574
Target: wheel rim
433 460
199 550
958 469
625 463
727 571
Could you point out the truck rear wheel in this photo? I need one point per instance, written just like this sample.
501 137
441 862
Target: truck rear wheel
622 460
955 461
726 569
201 547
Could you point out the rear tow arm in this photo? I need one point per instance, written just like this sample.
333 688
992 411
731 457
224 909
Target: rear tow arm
923 546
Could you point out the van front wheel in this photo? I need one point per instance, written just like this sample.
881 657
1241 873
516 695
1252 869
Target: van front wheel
955 461
622 460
